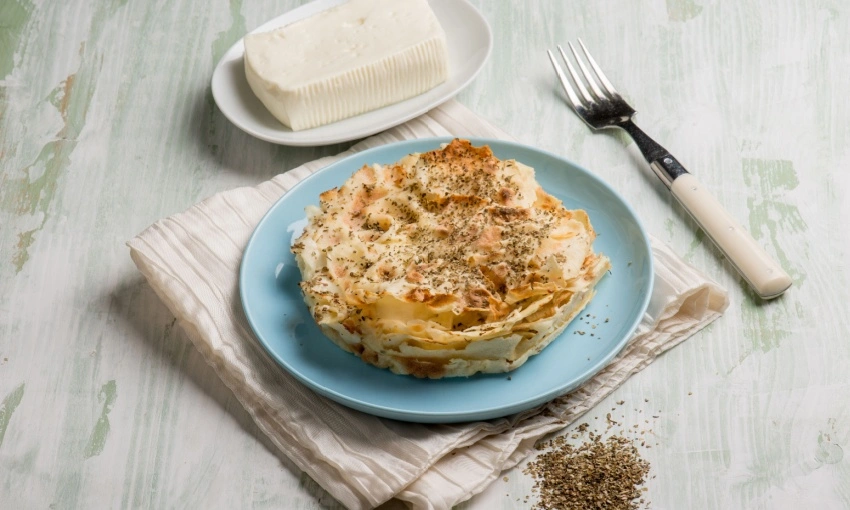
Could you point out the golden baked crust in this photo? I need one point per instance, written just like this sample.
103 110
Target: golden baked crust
446 263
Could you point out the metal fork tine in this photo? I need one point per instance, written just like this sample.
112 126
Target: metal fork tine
578 81
588 77
602 78
571 94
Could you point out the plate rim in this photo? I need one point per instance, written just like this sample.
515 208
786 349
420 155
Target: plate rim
449 416
302 138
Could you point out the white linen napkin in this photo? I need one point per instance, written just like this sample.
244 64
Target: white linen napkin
192 259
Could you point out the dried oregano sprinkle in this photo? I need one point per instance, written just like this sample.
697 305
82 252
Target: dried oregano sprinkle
597 474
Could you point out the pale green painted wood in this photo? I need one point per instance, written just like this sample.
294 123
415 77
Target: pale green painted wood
107 124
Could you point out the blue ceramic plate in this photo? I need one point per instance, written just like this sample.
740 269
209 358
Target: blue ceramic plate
273 305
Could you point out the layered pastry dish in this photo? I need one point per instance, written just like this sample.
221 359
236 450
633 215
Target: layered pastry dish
446 263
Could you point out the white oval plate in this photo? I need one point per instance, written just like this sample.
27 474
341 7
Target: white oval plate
469 41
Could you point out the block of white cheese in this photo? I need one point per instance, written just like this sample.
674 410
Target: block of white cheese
350 59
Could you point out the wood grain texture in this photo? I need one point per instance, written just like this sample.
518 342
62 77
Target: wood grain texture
107 124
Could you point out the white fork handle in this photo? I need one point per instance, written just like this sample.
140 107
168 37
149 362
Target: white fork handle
763 274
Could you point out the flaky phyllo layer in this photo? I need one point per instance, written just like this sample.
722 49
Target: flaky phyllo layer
447 263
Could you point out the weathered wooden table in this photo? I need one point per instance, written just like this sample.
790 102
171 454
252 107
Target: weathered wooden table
107 124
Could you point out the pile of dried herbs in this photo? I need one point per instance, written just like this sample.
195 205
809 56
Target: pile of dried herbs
597 474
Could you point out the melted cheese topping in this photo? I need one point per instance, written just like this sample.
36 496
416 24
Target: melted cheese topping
411 263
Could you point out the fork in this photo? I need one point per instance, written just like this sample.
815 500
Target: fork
601 109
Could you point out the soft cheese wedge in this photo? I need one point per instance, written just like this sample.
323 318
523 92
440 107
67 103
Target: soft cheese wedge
353 58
